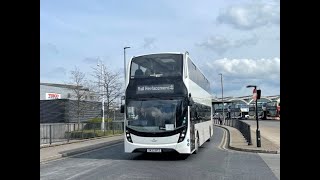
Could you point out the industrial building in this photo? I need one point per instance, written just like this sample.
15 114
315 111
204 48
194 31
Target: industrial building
58 104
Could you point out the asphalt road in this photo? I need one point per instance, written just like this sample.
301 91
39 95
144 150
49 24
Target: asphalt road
212 162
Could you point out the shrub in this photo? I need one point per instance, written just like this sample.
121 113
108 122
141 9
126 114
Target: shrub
99 120
85 134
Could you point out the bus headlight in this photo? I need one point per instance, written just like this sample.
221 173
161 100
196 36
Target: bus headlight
128 136
182 135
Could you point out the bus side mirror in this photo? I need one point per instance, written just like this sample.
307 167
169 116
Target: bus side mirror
190 101
122 109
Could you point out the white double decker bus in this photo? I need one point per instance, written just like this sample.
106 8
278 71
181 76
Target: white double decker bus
167 105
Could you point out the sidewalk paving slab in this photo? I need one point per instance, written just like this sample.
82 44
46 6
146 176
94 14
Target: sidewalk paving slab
64 150
238 142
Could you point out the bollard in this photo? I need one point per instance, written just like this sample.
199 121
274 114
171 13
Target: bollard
249 136
69 133
82 132
258 138
50 140
94 131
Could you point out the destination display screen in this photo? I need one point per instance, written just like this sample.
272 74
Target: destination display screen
160 88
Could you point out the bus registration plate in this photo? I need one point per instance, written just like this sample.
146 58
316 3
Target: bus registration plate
154 150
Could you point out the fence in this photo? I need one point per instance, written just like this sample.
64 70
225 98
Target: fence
66 111
64 132
243 127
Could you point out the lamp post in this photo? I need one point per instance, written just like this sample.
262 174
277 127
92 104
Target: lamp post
124 70
102 73
222 98
257 130
124 63
102 89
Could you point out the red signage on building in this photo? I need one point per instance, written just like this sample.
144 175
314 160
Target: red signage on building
53 96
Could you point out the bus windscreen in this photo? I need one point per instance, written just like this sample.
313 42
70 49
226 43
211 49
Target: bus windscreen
156 115
156 65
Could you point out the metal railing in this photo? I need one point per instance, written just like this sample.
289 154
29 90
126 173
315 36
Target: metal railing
243 127
64 132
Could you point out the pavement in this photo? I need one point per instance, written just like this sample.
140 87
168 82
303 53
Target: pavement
270 143
236 141
60 150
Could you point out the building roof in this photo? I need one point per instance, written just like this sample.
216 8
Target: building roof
68 86
245 99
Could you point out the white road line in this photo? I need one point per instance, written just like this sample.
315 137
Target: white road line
223 140
79 174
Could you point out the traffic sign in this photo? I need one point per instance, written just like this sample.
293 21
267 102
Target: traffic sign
254 96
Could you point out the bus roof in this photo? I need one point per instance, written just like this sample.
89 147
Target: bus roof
157 53
171 53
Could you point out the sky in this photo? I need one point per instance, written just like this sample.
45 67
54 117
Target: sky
238 38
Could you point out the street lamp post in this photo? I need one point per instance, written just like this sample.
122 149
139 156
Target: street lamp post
124 62
102 76
257 119
222 99
102 93
124 70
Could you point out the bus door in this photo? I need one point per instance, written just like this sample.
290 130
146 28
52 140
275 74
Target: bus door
192 131
192 137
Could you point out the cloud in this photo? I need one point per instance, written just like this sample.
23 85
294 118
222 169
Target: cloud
237 73
220 44
62 22
246 42
90 60
266 90
149 43
57 72
57 75
49 47
247 68
250 16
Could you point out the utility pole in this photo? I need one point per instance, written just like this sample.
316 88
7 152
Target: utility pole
255 96
222 99
102 75
124 63
101 92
